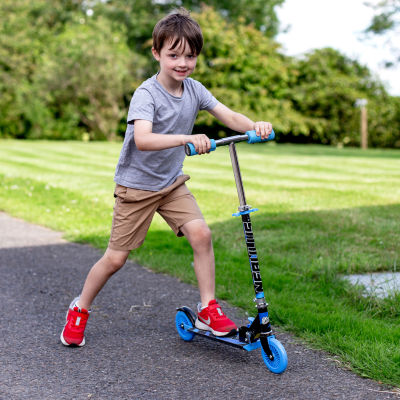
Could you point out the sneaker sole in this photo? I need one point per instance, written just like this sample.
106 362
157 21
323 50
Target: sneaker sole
65 343
200 325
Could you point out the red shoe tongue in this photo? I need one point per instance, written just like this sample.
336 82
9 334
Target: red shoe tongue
82 310
212 303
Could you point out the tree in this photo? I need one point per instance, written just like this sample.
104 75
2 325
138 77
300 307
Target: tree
327 87
138 17
249 76
260 13
20 44
387 20
69 71
62 74
80 83
26 27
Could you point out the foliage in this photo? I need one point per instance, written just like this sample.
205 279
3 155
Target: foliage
140 16
260 13
69 71
387 21
250 77
20 44
328 85
26 28
384 121
64 74
81 78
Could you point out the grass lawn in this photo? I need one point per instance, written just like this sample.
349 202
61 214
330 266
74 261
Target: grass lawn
323 212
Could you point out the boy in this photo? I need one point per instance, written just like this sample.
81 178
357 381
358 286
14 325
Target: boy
149 174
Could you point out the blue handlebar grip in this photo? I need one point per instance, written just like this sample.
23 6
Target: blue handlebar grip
191 151
253 138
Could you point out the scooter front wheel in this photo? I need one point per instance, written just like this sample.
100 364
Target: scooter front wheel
279 363
182 320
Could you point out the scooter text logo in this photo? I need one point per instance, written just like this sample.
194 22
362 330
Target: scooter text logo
252 252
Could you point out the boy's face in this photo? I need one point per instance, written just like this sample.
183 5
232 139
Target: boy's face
175 64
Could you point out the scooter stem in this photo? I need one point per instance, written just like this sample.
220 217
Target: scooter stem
263 325
238 177
244 211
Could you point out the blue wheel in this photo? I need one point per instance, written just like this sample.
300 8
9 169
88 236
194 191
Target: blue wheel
279 363
181 320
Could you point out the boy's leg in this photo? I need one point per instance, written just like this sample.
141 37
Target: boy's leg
131 220
180 210
73 332
100 273
210 315
133 212
199 236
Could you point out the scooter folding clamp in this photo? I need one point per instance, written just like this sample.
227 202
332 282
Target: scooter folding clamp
243 210
261 303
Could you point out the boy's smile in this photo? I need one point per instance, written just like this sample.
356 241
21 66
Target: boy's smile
176 64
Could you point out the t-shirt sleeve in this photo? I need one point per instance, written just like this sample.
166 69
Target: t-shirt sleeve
141 107
207 100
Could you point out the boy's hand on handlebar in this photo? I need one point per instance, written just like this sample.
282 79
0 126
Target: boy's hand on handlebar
263 129
201 143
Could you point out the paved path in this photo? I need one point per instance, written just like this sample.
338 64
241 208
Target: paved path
132 350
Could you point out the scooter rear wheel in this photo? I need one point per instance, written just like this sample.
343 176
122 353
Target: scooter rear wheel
279 363
182 320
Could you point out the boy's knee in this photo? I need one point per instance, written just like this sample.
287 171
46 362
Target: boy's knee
205 233
201 235
115 259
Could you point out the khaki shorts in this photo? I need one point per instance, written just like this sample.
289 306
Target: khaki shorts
134 210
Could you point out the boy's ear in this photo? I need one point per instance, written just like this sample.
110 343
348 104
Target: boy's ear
155 54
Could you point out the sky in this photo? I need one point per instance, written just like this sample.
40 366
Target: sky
339 24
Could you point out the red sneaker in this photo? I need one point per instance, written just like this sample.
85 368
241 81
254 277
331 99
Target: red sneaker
213 319
74 329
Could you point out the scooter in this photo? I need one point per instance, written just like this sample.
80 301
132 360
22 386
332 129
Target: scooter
258 333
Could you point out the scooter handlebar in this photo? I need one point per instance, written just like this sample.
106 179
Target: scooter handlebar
191 151
250 136
254 138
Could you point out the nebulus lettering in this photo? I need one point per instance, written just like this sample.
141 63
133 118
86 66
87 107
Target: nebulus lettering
252 253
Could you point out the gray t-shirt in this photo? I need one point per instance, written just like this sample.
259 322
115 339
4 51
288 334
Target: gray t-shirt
170 115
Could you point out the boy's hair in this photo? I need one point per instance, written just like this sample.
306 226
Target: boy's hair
179 27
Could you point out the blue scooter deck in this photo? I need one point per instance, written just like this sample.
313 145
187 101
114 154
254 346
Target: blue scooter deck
230 340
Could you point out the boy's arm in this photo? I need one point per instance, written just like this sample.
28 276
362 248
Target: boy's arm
239 122
146 140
